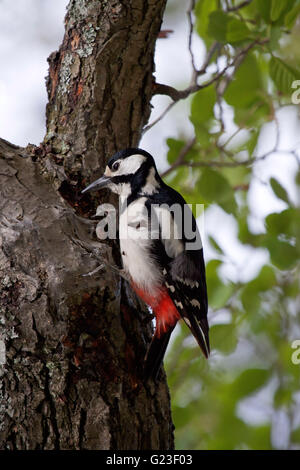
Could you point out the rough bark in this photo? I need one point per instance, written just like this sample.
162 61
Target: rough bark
100 82
71 346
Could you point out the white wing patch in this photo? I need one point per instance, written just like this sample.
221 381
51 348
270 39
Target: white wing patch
171 233
195 303
187 282
178 304
171 288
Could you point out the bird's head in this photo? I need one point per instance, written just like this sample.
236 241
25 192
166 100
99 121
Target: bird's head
128 171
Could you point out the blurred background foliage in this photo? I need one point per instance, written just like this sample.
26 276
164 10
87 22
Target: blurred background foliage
247 395
234 146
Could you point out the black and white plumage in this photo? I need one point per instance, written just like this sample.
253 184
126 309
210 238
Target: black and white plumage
164 260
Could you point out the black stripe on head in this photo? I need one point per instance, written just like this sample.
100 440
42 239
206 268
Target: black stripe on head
121 179
122 154
141 175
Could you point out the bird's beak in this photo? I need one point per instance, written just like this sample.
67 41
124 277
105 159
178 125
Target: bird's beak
98 184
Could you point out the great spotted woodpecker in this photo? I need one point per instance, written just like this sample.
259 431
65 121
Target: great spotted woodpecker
161 250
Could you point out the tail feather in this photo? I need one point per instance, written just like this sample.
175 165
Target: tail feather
155 354
199 329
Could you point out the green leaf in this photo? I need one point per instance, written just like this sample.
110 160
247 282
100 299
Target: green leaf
250 296
237 31
283 396
182 415
223 337
273 10
295 436
279 190
252 142
202 12
227 28
249 381
202 108
275 36
237 176
291 16
257 113
291 289
283 255
265 280
244 234
202 133
214 187
276 223
244 89
277 7
250 300
178 178
217 25
218 292
264 8
259 437
283 75
174 148
286 222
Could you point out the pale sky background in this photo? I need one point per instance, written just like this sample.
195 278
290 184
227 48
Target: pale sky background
31 29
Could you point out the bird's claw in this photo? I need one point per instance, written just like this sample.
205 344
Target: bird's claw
121 272
91 273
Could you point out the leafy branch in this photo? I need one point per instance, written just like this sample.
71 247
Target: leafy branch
190 145
219 76
255 312
238 7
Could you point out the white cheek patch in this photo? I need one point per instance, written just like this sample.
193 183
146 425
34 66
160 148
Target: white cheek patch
129 165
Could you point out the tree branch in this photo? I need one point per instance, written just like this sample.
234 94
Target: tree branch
224 164
178 95
238 7
191 30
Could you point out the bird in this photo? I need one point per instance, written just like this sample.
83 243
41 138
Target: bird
161 250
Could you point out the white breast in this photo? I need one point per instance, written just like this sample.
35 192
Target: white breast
135 245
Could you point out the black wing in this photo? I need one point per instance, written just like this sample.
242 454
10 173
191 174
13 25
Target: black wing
183 270
185 280
182 265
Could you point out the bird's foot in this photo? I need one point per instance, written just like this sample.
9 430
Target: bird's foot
121 272
105 264
91 273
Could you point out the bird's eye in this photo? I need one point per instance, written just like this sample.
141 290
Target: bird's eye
115 166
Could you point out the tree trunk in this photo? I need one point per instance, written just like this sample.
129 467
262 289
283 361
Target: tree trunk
71 346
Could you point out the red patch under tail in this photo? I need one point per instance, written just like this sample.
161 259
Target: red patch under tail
163 307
